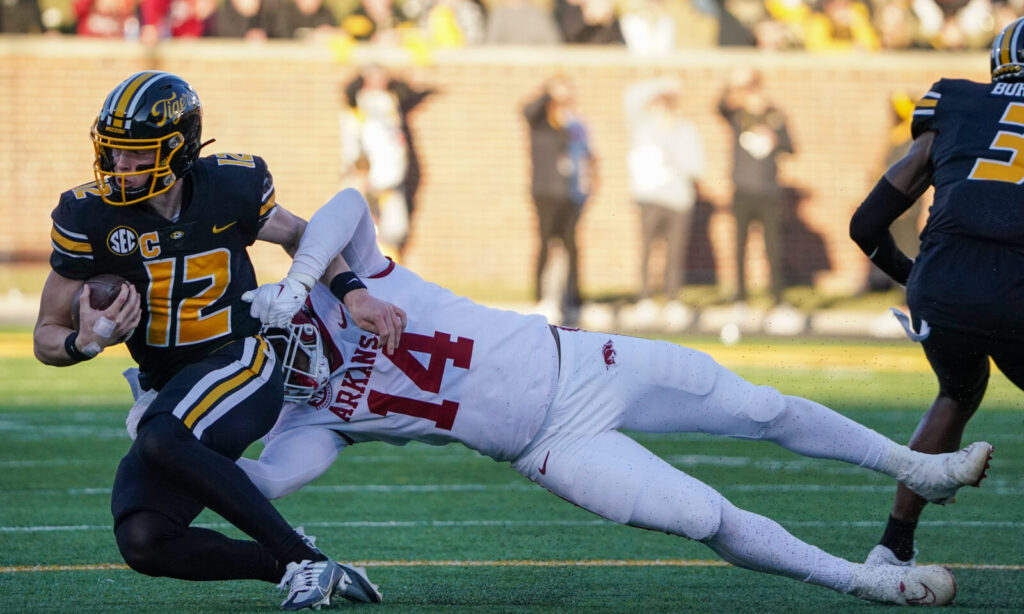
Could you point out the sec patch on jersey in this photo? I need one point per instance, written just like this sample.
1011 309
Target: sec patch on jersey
103 291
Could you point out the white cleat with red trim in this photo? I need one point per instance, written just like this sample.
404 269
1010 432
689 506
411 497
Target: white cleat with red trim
938 477
926 585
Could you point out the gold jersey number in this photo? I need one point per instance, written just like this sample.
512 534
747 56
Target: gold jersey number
186 318
1005 140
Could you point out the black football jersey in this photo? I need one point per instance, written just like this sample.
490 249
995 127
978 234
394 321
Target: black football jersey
970 271
190 273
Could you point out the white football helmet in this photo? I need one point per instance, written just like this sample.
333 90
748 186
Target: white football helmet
300 349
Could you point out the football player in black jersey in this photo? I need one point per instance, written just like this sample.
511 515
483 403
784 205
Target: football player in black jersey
177 226
965 290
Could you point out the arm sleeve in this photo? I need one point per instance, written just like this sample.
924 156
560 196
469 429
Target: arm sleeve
869 229
342 225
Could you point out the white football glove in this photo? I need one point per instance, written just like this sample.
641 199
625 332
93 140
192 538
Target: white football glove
275 304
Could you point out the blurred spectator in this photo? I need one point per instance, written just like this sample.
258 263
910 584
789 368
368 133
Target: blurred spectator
1004 12
761 136
840 25
521 22
21 17
769 25
303 19
175 19
377 142
897 25
251 20
377 20
563 178
590 22
736 27
956 24
648 27
107 18
666 159
453 23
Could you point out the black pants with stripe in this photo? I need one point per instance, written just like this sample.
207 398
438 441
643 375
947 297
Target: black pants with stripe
183 461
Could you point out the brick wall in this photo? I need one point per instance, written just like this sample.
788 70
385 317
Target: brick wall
474 223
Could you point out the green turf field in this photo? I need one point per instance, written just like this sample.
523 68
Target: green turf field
443 529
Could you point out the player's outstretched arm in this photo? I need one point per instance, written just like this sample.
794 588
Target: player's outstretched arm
340 233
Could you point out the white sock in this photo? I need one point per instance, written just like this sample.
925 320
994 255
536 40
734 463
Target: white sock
754 542
899 460
811 429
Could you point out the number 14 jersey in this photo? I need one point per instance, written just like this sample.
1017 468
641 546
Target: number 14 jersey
463 372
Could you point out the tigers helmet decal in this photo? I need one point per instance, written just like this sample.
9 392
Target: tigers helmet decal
146 137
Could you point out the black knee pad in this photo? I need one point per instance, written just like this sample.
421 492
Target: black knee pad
140 537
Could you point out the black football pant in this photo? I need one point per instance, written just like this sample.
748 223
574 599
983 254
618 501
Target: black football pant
961 362
201 421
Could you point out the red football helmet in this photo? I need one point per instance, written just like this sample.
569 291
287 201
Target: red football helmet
300 349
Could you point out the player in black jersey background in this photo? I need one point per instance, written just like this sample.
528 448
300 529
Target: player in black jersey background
965 290
177 226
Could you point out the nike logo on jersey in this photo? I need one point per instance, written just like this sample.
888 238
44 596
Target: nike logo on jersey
544 468
219 229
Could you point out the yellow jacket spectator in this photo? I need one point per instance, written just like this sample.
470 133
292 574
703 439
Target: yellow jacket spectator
841 25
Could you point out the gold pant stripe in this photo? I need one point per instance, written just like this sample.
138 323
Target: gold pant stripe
228 386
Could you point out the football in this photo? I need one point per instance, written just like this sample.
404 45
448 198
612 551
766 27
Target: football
103 290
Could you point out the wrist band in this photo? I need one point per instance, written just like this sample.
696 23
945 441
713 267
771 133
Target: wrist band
343 283
89 353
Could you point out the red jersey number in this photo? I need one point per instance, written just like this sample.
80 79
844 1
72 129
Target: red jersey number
440 348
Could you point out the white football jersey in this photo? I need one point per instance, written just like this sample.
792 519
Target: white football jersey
464 372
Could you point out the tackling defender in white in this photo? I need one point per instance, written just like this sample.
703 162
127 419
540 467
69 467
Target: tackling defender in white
551 402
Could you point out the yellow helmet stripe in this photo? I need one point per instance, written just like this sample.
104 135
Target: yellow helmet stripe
119 105
1004 49
226 387
1007 47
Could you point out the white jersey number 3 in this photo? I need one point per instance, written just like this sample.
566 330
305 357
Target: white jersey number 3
440 348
